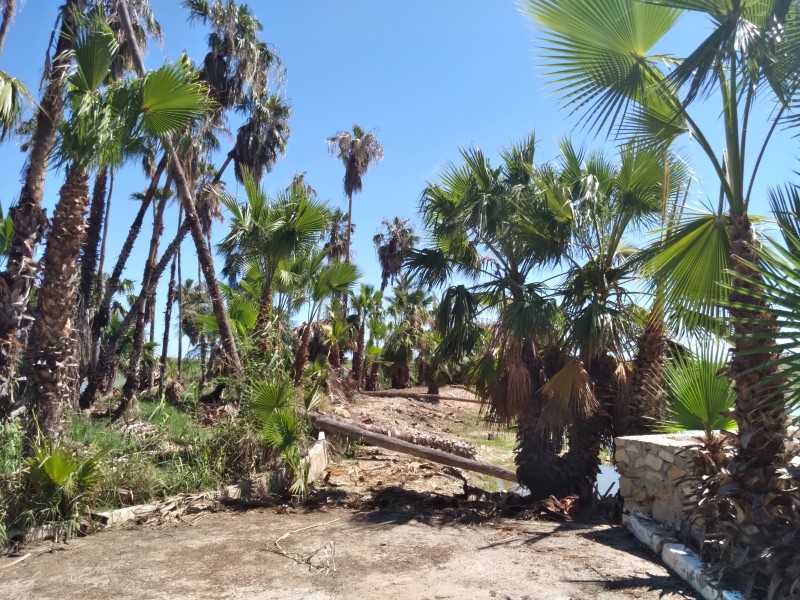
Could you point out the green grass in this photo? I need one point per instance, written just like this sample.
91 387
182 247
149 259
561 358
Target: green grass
175 425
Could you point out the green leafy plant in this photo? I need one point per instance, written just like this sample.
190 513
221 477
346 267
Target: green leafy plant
56 482
698 396
284 427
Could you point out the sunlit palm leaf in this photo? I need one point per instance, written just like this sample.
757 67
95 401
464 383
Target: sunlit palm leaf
13 97
171 100
597 55
689 264
699 395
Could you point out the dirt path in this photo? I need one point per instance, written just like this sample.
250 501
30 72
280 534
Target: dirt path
376 554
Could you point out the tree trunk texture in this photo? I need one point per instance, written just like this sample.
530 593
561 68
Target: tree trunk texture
759 413
109 358
588 435
50 344
357 433
162 371
358 356
203 361
94 227
103 315
28 217
646 404
540 467
302 354
104 310
129 404
180 304
371 384
8 16
101 265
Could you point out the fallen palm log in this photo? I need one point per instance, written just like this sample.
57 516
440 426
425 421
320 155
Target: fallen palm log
421 438
415 396
355 432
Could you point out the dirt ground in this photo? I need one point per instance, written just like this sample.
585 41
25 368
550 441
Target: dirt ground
343 554
381 525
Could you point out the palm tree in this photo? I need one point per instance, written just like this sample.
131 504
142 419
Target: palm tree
392 245
186 196
323 281
262 139
410 310
264 233
554 359
600 61
365 303
238 65
28 217
358 151
143 310
335 247
99 114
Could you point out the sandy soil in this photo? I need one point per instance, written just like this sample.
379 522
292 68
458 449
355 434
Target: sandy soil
375 554
382 525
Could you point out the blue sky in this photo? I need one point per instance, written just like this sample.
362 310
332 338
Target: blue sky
429 76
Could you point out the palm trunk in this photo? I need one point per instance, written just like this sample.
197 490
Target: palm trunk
101 265
264 308
647 401
302 353
180 305
162 372
349 226
129 404
93 229
28 217
187 200
49 346
760 413
358 355
104 310
371 384
8 16
109 358
203 361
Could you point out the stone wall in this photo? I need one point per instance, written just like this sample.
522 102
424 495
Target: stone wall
651 468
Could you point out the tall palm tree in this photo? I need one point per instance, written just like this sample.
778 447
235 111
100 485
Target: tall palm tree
264 233
554 357
262 139
358 151
186 195
238 65
601 61
143 310
323 282
28 217
410 310
365 303
392 245
160 103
